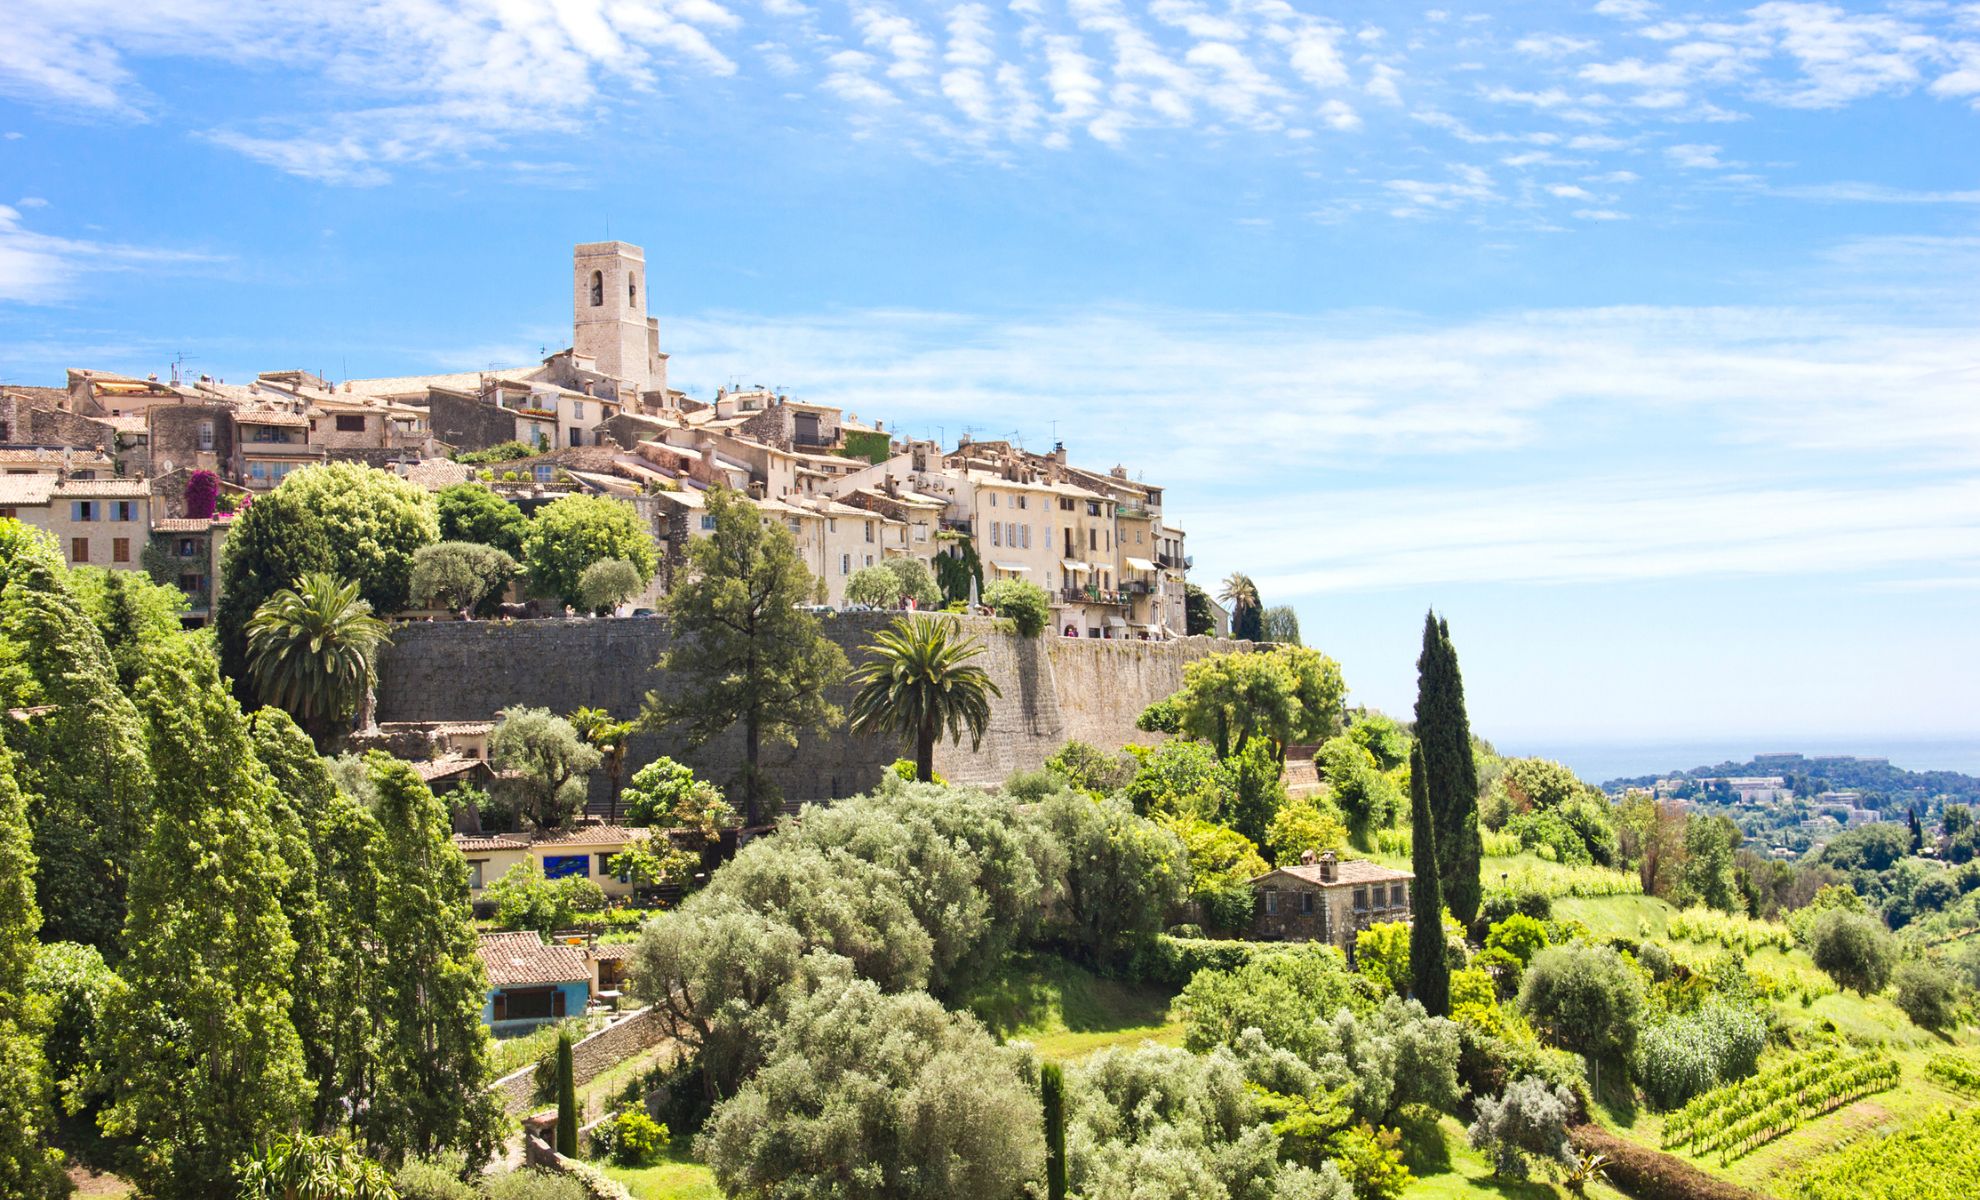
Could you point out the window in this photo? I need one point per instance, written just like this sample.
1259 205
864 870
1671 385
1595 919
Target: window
1092 508
474 872
560 866
577 410
206 435
10 512
543 472
78 550
1398 896
632 289
1306 904
188 547
1026 531
1271 901
869 560
845 564
577 437
1361 899
529 1004
350 422
597 289
82 510
707 523
1021 502
993 499
192 584
1093 539
869 537
996 533
796 525
120 550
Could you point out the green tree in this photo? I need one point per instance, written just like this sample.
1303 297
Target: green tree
310 1167
567 1109
29 1167
958 570
1247 614
469 512
431 1081
919 682
1184 778
1024 604
1430 978
353 521
1709 843
130 611
1381 736
1364 796
608 583
1444 732
1927 992
874 587
744 651
1261 790
331 902
569 535
1198 620
1123 874
1286 695
1052 1095
665 794
915 582
1222 864
1584 998
79 749
204 1059
613 741
1303 824
1382 952
461 576
1280 624
312 652
1856 950
553 760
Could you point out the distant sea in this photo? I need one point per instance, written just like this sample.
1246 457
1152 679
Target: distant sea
1599 762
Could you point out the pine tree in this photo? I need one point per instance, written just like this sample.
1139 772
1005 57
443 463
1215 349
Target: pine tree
78 747
1450 774
429 984
204 1061
332 911
1052 1091
1430 976
29 1169
567 1110
1917 831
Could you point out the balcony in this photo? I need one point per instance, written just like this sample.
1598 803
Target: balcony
1176 562
962 527
1073 595
1139 587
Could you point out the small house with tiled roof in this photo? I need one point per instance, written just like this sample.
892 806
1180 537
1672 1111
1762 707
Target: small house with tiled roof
585 851
1327 899
530 982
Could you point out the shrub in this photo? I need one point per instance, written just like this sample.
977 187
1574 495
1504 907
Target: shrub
1497 906
460 575
1855 950
606 584
664 794
1371 1160
1025 605
1927 992
441 1177
508 451
1183 778
1123 873
1091 769
1682 1056
874 587
1529 1120
1584 998
532 1185
1518 935
632 1137
1381 952
569 535
202 495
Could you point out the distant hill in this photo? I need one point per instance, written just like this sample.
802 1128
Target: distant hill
1882 785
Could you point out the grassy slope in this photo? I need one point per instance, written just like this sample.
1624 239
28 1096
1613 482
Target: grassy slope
676 1177
1068 1012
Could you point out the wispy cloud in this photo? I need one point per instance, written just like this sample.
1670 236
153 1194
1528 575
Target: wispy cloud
39 268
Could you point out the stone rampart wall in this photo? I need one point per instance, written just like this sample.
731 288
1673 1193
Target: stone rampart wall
1053 689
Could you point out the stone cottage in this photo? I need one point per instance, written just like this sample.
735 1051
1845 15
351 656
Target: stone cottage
1324 899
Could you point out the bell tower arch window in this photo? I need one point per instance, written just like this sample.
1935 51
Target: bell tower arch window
632 290
597 289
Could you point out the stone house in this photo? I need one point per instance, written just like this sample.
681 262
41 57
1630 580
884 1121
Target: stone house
188 551
585 852
1325 899
98 522
530 982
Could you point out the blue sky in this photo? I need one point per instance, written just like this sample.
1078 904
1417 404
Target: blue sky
1638 338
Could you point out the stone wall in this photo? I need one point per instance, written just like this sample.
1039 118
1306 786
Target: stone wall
590 1058
1054 689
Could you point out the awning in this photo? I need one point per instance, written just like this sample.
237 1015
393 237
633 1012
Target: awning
1013 568
1117 620
1140 564
1070 565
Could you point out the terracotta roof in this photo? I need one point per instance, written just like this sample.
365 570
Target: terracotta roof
76 456
592 835
611 951
463 728
446 767
104 487
1346 872
517 959
26 489
183 525
465 842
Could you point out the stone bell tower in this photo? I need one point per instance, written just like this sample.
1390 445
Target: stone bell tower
609 321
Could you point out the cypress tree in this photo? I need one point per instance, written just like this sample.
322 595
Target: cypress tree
1450 774
1430 976
204 1061
427 989
79 752
567 1113
28 1167
1052 1091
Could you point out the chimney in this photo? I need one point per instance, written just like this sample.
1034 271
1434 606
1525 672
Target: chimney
1306 858
1329 868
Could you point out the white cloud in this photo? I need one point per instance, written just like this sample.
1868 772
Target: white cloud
39 268
1697 157
1874 193
1600 214
1568 191
1554 45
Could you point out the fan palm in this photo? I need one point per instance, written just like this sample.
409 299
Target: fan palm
1242 595
918 681
311 650
610 738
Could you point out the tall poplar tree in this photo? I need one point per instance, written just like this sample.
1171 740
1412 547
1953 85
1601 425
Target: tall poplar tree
431 1088
204 1062
1451 775
78 745
1430 975
745 651
332 910
29 1168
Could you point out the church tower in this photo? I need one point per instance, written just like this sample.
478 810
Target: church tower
609 321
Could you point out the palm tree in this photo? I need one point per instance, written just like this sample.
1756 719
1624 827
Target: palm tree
1242 595
311 651
611 739
918 681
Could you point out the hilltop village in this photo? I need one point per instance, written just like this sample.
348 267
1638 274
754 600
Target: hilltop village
541 784
104 462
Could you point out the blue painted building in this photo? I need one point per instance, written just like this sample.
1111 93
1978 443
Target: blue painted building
530 982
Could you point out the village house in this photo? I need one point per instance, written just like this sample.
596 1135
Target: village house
98 522
531 982
583 852
1325 899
